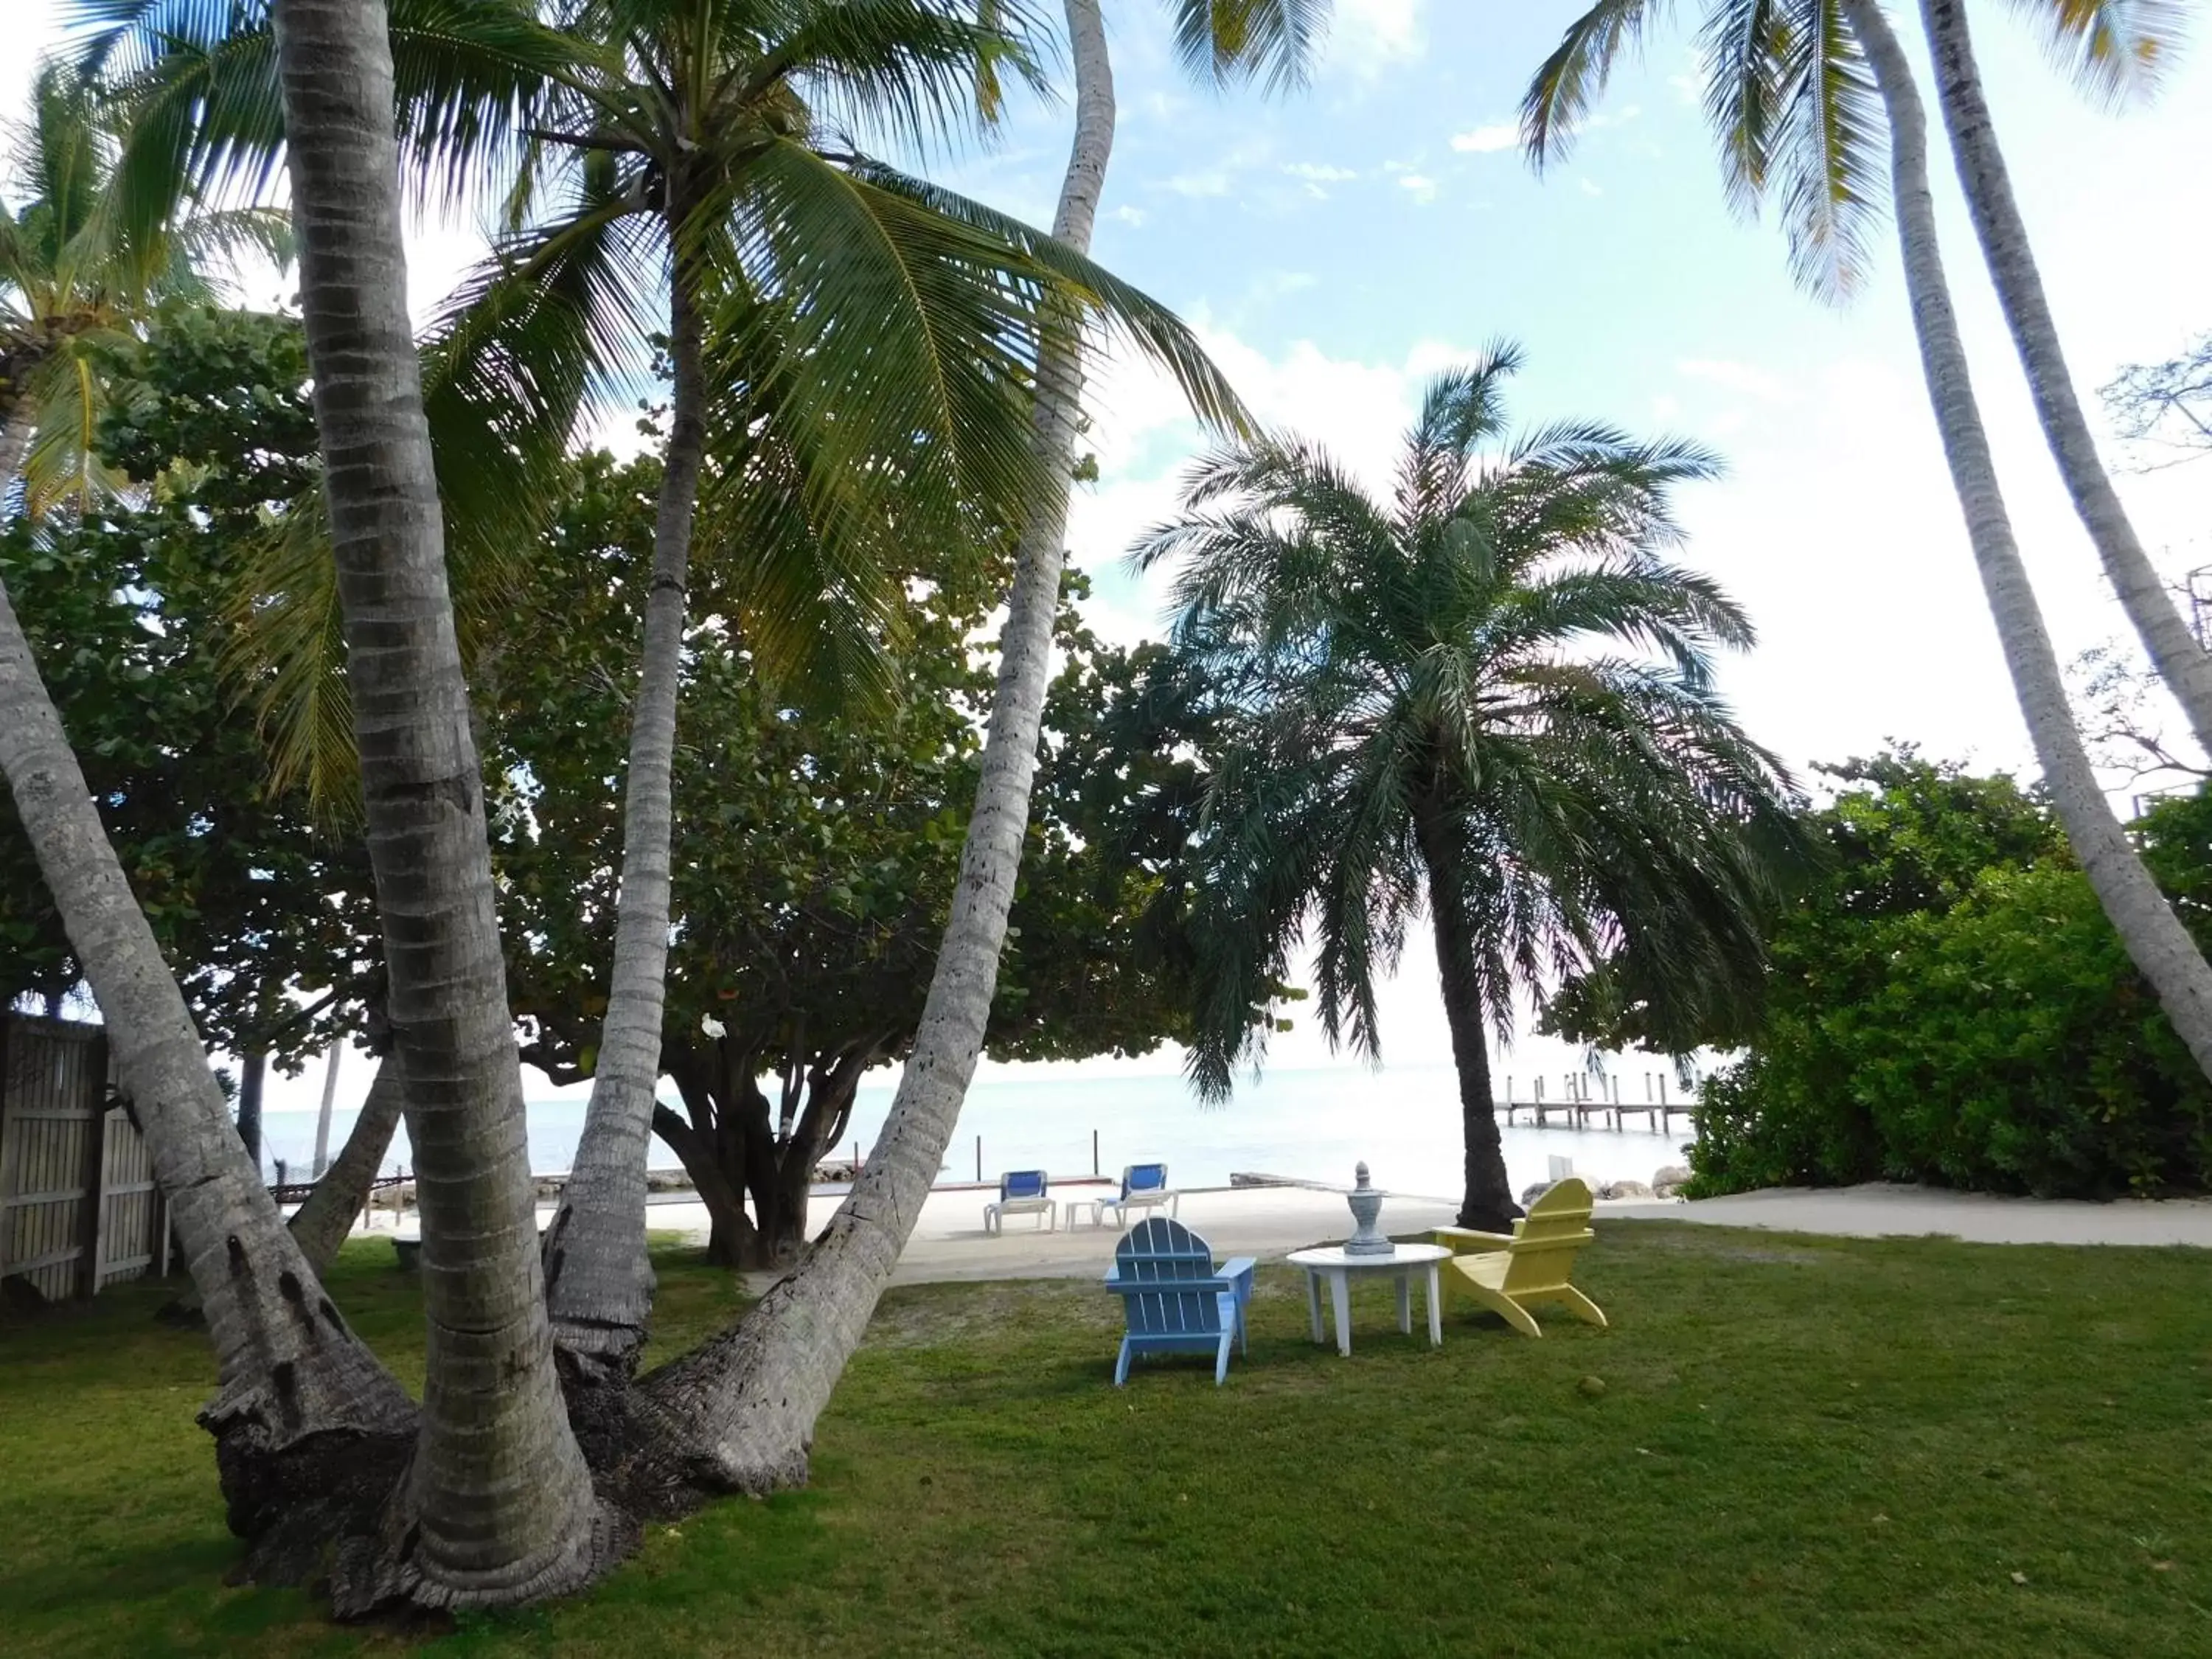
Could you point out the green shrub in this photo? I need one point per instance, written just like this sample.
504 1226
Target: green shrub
1983 1030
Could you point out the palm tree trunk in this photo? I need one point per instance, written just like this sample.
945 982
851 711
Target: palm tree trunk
322 1164
17 427
497 1506
2159 946
598 1281
302 1407
745 1402
252 1083
2181 662
1487 1202
321 1224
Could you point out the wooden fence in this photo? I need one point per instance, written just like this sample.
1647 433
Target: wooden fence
79 1210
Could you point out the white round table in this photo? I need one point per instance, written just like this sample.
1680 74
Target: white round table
1338 1268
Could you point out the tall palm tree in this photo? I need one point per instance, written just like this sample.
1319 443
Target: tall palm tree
2118 49
1493 692
72 279
1803 94
687 169
750 1397
499 1495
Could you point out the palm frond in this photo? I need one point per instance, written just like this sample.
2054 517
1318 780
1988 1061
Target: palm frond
2113 50
1499 696
1831 153
1229 42
918 74
1573 77
1123 313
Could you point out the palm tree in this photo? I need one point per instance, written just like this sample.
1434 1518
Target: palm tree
688 168
2117 50
751 1396
71 281
499 1496
1493 691
1803 95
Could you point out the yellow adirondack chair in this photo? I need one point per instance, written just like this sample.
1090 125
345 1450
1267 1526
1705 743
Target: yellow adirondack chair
1507 1272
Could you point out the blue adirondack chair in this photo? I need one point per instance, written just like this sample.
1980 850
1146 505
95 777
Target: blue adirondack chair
1174 1299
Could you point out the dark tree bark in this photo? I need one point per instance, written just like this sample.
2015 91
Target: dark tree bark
252 1079
1487 1202
739 1147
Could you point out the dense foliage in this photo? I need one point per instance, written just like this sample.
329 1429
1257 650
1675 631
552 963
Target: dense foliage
1947 1004
1489 697
815 851
132 611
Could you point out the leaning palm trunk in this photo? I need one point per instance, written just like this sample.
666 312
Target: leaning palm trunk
2154 938
1486 1200
744 1404
2181 662
302 1407
321 1224
497 1505
598 1282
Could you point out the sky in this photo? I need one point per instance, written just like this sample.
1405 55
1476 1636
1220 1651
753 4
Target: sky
1336 246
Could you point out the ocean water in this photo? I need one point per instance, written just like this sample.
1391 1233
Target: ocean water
1315 1125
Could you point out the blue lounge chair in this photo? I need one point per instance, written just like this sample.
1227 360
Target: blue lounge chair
1021 1192
1144 1187
1174 1299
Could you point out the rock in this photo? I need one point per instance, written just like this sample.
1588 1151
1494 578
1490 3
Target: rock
1675 1174
1625 1189
1534 1190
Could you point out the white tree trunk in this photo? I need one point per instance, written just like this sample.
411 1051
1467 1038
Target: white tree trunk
598 1278
743 1406
2154 938
497 1506
2181 662
323 1114
322 1223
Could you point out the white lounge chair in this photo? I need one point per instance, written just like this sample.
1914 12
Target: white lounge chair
1022 1192
1144 1189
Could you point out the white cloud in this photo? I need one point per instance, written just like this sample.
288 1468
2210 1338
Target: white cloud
1368 35
1483 141
1132 216
1318 172
1213 182
1589 188
1424 190
1736 377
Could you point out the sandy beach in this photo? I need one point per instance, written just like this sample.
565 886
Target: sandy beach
948 1243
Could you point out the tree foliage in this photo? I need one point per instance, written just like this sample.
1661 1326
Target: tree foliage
814 856
1946 1003
2166 405
1491 696
128 606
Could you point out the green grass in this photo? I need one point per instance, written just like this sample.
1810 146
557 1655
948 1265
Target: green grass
1803 1447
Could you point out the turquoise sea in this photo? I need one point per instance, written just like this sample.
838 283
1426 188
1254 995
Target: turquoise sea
1314 1124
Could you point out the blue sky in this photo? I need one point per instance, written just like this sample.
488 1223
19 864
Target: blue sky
1337 245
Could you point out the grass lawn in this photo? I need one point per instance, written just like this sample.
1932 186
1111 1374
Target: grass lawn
1803 1446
